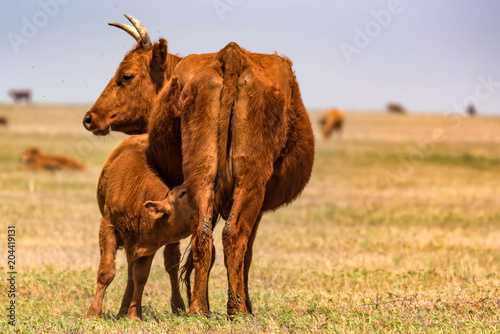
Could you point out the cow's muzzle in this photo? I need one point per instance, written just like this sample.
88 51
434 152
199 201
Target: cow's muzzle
87 122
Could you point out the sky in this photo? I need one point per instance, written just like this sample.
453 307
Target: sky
429 55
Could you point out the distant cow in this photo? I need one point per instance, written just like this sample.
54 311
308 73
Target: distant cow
18 95
332 120
32 158
395 108
4 121
140 214
471 110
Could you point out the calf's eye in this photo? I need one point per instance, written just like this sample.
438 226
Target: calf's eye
182 194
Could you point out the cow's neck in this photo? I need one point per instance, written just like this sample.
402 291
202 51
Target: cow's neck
172 61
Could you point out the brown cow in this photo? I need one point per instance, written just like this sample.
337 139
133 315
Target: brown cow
140 214
395 108
18 95
125 103
332 120
247 146
32 158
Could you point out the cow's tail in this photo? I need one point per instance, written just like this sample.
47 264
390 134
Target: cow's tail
231 59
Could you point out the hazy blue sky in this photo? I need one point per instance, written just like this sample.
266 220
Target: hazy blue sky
429 55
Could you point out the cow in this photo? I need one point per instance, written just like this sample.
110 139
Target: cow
247 147
331 121
4 121
33 158
234 124
125 103
139 214
395 108
471 110
18 95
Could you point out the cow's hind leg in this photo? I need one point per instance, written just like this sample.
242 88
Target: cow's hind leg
107 266
187 270
140 272
248 262
199 121
236 236
171 260
259 132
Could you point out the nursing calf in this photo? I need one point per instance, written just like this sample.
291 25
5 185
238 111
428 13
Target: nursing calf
139 214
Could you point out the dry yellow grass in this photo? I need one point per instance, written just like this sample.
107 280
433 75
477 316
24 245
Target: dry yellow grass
402 209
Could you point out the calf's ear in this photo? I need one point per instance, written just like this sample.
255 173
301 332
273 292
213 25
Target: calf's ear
158 63
157 209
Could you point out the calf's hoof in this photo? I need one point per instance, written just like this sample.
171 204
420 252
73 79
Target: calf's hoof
93 314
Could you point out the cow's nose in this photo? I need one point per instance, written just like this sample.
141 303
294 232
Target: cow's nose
87 121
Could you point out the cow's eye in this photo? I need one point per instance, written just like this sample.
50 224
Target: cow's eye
182 194
127 77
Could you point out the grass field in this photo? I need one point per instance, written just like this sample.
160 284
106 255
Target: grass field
397 231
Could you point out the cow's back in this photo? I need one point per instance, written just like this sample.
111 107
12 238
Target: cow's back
232 104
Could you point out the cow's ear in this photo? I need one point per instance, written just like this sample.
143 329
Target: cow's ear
157 209
158 63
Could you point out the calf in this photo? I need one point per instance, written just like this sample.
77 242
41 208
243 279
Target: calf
139 214
32 158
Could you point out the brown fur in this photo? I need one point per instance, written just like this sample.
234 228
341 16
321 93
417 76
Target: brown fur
126 188
32 158
332 120
234 123
18 95
125 104
247 147
395 108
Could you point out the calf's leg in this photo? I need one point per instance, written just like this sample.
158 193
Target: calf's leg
140 273
107 266
129 291
172 258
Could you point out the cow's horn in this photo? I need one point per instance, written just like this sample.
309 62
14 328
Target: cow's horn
146 41
131 30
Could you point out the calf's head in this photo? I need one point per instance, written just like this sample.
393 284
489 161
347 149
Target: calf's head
29 155
125 103
174 207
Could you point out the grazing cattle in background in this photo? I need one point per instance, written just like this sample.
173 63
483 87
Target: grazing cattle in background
395 108
140 214
32 158
332 120
19 95
4 121
471 110
246 147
